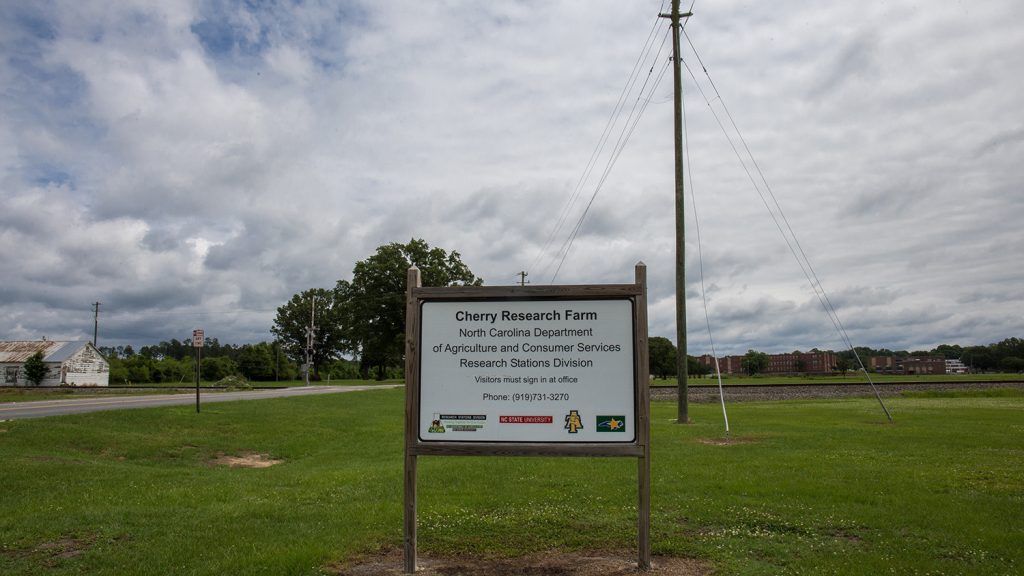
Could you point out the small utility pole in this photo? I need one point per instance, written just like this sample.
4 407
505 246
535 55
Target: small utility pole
95 324
681 368
522 278
310 336
198 338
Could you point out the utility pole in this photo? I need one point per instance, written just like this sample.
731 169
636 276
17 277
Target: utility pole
682 371
310 336
522 277
95 324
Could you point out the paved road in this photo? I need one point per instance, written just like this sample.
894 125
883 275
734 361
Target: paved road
41 408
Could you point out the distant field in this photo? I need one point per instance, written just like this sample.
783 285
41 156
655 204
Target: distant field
825 487
849 378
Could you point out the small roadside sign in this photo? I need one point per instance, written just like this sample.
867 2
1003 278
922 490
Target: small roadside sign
197 338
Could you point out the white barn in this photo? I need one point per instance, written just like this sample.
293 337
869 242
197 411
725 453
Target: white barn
67 363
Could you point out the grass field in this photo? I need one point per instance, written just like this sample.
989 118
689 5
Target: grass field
811 487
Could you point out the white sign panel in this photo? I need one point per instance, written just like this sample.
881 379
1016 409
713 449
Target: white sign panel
527 371
197 338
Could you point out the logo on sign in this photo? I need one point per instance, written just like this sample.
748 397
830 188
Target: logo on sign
436 427
526 419
573 422
611 423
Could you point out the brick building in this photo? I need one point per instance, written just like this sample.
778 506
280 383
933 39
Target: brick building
778 364
924 365
911 365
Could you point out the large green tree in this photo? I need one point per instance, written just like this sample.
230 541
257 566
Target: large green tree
374 301
217 368
35 369
329 338
661 354
754 362
256 361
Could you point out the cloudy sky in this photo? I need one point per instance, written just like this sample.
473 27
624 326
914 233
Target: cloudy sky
194 164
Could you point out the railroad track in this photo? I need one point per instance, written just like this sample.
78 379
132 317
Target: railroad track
753 392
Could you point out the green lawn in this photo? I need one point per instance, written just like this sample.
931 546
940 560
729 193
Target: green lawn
819 487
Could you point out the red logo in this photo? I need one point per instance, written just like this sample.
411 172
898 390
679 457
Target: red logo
526 419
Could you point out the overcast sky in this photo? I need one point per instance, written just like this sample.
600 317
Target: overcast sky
195 164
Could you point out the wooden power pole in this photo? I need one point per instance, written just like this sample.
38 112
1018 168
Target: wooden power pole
682 371
310 337
96 324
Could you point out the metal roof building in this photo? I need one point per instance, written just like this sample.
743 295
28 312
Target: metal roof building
68 363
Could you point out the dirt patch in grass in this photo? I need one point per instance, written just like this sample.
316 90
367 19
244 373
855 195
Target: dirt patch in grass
552 563
845 534
66 547
728 440
245 460
57 460
51 552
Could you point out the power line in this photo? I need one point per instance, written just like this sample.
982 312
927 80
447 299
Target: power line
577 191
779 218
700 266
628 128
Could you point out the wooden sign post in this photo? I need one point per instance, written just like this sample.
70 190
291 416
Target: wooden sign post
198 338
527 371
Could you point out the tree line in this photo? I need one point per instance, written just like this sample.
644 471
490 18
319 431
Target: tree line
174 361
363 319
1006 355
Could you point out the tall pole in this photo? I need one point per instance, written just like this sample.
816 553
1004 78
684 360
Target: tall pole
198 339
199 372
522 278
96 324
310 336
681 369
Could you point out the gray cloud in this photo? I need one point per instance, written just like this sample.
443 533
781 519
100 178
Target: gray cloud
190 164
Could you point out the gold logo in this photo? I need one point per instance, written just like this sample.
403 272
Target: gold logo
573 422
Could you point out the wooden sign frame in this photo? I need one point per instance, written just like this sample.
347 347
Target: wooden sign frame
639 448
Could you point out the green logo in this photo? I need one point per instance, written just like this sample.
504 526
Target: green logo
611 424
436 427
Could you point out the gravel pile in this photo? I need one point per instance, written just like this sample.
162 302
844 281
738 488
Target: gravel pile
704 393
